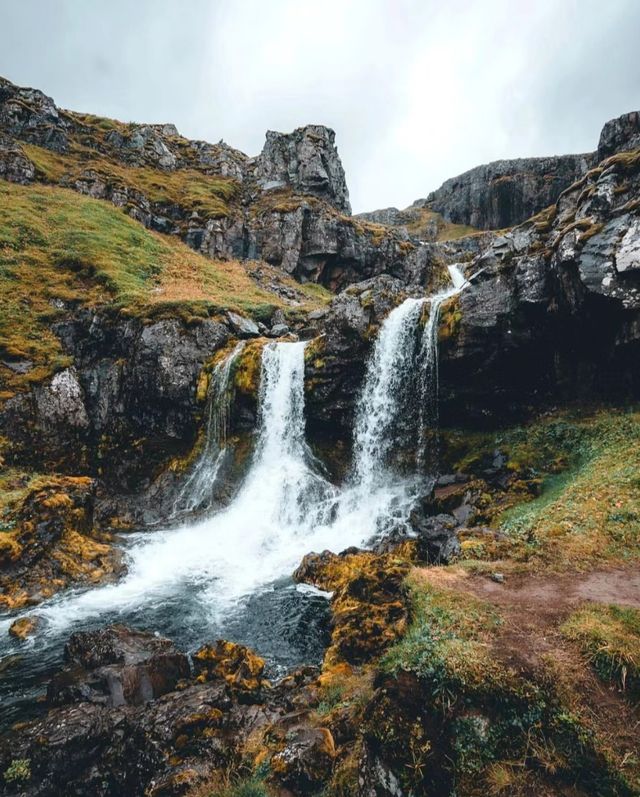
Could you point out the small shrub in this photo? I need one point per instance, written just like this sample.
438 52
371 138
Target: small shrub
18 770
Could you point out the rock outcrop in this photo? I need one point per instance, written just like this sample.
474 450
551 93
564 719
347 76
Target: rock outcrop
551 310
288 206
620 135
507 192
50 543
305 160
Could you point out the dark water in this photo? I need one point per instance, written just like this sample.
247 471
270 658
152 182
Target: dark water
284 625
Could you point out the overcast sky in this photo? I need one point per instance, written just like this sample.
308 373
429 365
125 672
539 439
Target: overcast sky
417 90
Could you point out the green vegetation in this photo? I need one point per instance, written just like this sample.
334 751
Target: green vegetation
575 492
252 786
447 641
427 220
59 249
18 770
610 638
210 195
500 729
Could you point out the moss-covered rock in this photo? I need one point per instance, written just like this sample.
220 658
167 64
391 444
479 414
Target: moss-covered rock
52 543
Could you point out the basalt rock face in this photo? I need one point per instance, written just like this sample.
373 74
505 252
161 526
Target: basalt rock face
504 193
552 310
123 411
555 306
336 361
130 382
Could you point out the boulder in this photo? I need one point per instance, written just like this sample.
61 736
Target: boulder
53 543
305 757
117 666
236 665
436 535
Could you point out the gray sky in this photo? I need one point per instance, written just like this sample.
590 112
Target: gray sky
417 90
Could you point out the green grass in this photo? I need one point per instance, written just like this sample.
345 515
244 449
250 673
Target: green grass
587 512
210 195
448 639
253 786
446 231
610 638
59 249
492 715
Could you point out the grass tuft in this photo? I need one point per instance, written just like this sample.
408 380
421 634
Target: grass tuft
610 638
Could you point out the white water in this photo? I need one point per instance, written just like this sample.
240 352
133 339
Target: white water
384 392
428 359
284 508
196 491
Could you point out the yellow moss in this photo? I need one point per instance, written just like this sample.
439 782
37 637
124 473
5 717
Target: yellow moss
23 627
450 319
10 548
246 377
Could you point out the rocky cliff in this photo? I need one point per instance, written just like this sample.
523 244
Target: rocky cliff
504 193
288 206
551 310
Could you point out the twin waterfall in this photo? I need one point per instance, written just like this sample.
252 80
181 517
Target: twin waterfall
285 506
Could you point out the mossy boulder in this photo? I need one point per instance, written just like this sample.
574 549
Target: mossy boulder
235 664
52 543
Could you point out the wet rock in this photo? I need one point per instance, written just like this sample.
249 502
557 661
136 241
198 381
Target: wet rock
53 544
24 627
237 665
367 605
305 758
437 538
117 666
335 364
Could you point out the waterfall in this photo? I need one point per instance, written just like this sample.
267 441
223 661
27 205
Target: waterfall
282 510
428 362
387 380
195 574
196 493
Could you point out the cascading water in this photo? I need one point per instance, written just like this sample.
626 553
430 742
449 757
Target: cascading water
383 393
220 575
428 359
196 493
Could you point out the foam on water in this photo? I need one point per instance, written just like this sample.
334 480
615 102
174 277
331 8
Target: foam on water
285 507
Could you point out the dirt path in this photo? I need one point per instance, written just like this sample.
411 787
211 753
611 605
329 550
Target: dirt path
529 640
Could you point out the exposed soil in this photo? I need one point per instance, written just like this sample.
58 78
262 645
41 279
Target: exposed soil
530 643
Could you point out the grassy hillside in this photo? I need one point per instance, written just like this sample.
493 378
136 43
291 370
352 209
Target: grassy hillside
59 250
211 195
584 511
